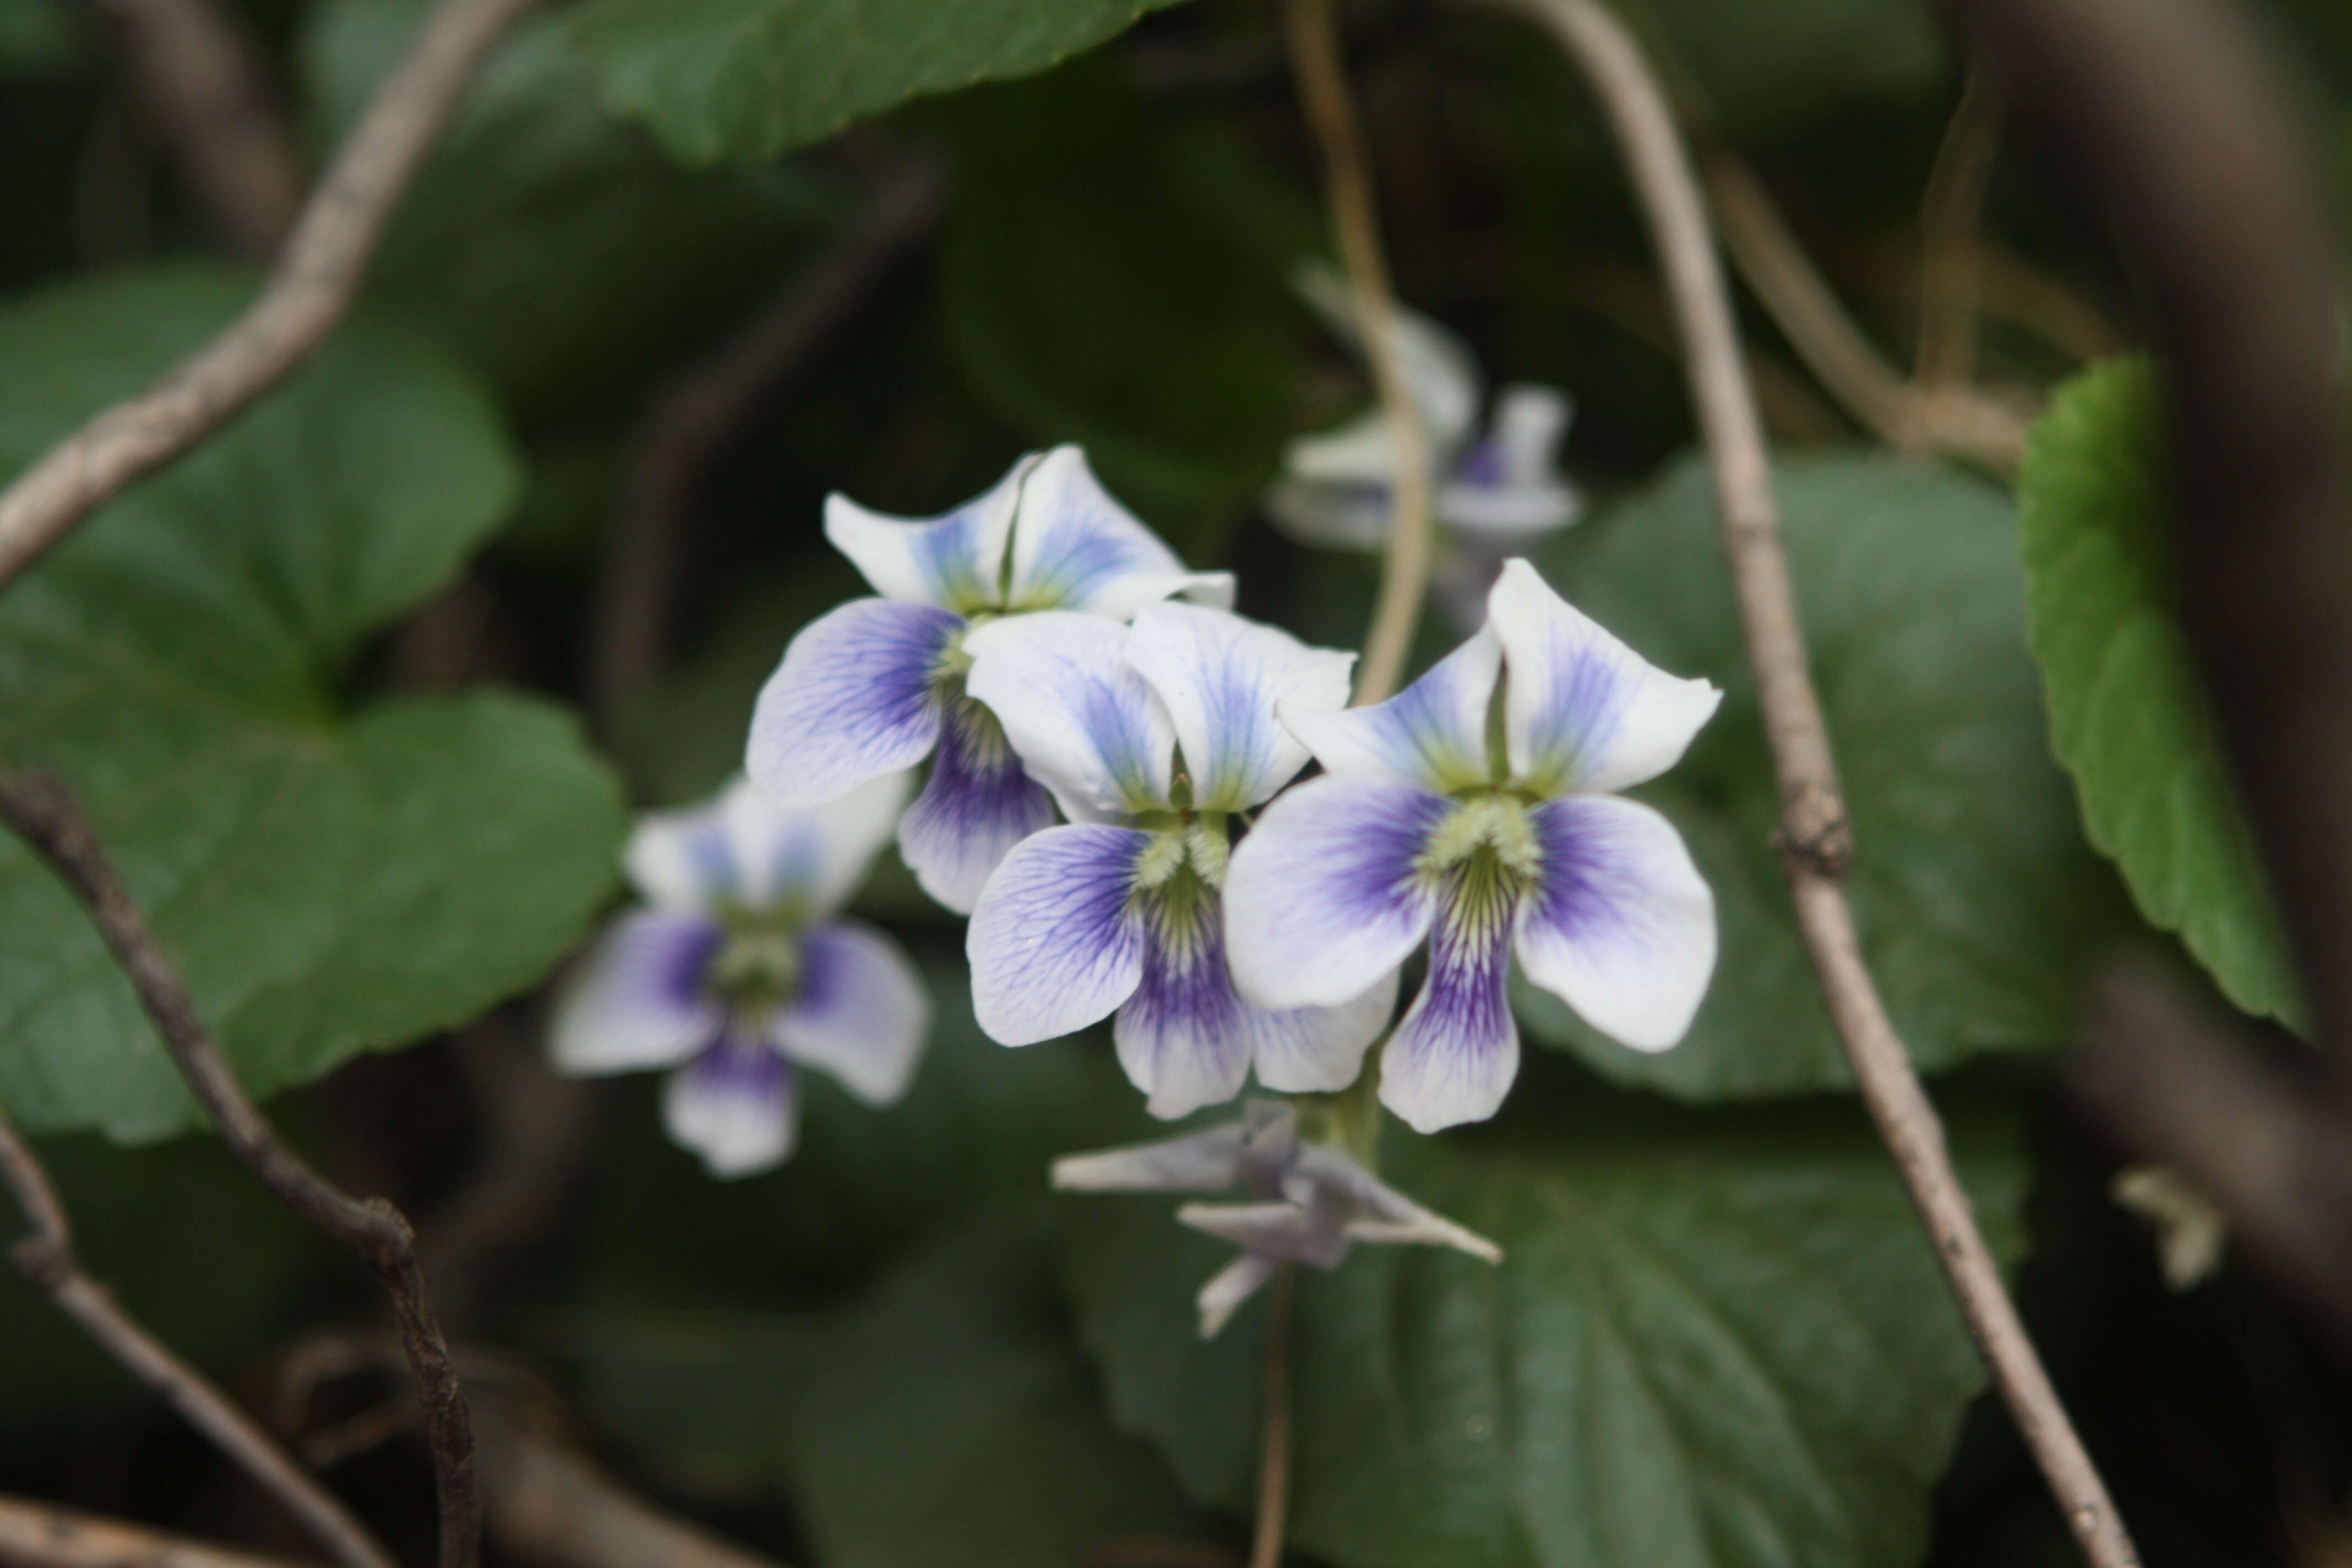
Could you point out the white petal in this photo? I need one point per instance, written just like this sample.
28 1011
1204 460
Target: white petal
1084 723
1316 1235
636 1001
681 860
1358 454
1075 548
861 1013
1439 374
1220 678
1206 1162
1056 943
1319 1050
1454 1056
1621 925
736 1105
1583 712
953 559
857 695
976 806
1229 1288
811 859
1330 516
1181 1037
1431 734
1324 900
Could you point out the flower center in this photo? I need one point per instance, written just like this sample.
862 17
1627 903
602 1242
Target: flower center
1186 855
1487 850
757 968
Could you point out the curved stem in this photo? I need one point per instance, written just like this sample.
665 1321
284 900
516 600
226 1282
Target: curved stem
1404 576
1815 838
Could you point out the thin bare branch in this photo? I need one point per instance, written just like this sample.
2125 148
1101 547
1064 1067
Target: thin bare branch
1949 419
204 89
1316 60
43 1535
1274 1432
1817 841
1951 268
45 1258
307 293
695 413
52 825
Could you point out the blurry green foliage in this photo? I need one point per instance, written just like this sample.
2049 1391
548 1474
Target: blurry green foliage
39 36
329 880
2125 714
1716 1338
746 79
1977 900
1768 66
549 243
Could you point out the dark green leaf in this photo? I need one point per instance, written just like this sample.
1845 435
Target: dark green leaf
746 79
2125 715
1977 900
1716 1340
328 881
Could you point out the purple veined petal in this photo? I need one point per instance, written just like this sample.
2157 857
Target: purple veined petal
637 1000
1075 548
1229 1288
1582 711
1454 1056
1621 925
861 1013
809 861
1318 1050
976 806
683 860
955 560
857 696
1432 735
1083 724
737 1105
1220 678
1055 940
1181 1037
1325 896
1206 1162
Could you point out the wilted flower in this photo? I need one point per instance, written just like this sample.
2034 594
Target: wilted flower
1473 810
1151 737
878 684
741 972
1312 1205
1494 491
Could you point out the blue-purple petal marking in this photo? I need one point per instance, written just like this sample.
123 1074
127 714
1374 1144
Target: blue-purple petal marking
856 697
977 804
1454 1056
1181 1037
860 1012
1056 942
639 1000
736 1105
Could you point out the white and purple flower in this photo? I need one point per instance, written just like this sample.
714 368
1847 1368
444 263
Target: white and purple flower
740 972
1151 739
877 685
1475 810
1496 488
1311 1202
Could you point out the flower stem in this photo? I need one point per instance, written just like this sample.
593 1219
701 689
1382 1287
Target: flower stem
1404 577
1273 1445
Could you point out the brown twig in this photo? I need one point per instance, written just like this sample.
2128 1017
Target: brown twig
1816 839
1957 419
52 825
694 414
43 1535
308 290
1316 60
45 1258
1273 1441
203 87
1951 267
